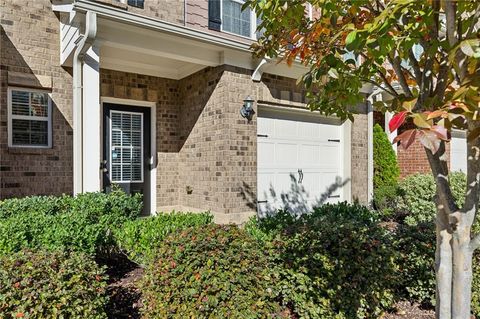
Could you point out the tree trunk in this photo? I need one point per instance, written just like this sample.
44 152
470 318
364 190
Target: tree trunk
443 269
462 274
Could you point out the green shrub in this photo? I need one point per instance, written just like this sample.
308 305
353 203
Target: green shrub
51 285
416 248
116 202
140 238
48 205
416 202
386 172
415 238
336 262
385 166
209 272
84 223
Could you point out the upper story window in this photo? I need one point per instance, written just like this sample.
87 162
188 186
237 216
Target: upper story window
29 118
227 16
136 3
235 20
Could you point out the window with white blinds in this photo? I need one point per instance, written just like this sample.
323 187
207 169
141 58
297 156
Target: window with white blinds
29 118
126 142
236 21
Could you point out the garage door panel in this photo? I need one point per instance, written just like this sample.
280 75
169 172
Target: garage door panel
296 144
309 131
285 153
265 153
284 128
309 154
329 156
458 154
266 126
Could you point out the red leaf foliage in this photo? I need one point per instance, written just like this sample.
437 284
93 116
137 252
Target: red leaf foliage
406 138
397 120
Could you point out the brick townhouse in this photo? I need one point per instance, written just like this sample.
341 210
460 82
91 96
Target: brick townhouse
164 97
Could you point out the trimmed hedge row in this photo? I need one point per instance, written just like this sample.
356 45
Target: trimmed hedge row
210 272
83 223
139 239
51 285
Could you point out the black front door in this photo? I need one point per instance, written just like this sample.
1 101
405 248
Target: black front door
126 151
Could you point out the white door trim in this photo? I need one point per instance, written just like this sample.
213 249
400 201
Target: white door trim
153 141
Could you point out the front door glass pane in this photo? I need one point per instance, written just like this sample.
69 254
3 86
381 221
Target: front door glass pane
126 142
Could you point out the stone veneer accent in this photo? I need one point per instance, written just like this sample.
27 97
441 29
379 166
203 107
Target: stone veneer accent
30 45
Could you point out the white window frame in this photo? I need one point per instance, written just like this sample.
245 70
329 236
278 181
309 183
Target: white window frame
142 128
27 117
253 22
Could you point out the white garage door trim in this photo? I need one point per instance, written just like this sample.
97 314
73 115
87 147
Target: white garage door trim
301 115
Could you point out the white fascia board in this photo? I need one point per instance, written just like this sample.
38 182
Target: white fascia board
151 23
62 7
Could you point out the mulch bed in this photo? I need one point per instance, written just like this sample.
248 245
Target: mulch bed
124 302
406 310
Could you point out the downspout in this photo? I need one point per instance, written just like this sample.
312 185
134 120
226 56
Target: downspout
185 12
370 172
84 43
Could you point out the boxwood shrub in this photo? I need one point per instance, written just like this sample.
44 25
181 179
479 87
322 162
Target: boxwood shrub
209 272
83 223
51 285
140 238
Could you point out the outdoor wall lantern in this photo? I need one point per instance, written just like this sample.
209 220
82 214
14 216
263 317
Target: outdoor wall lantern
247 109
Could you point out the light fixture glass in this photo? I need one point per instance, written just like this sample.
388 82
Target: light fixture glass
247 109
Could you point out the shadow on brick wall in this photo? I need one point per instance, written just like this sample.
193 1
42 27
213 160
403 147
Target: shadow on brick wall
27 171
196 91
296 200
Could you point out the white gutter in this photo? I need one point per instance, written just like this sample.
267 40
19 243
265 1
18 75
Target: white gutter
120 15
82 47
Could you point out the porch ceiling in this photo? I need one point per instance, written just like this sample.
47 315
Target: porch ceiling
127 48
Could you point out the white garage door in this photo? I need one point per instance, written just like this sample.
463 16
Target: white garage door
300 162
458 152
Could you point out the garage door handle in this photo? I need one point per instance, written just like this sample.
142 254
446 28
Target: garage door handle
261 201
334 196
262 135
300 176
333 140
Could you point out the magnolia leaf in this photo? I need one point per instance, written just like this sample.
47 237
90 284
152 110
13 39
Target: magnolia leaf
397 120
420 121
436 113
406 138
471 47
351 37
408 105
429 140
440 131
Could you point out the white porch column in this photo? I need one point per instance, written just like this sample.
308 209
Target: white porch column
91 121
392 135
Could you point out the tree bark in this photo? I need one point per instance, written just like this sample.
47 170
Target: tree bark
443 267
462 273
